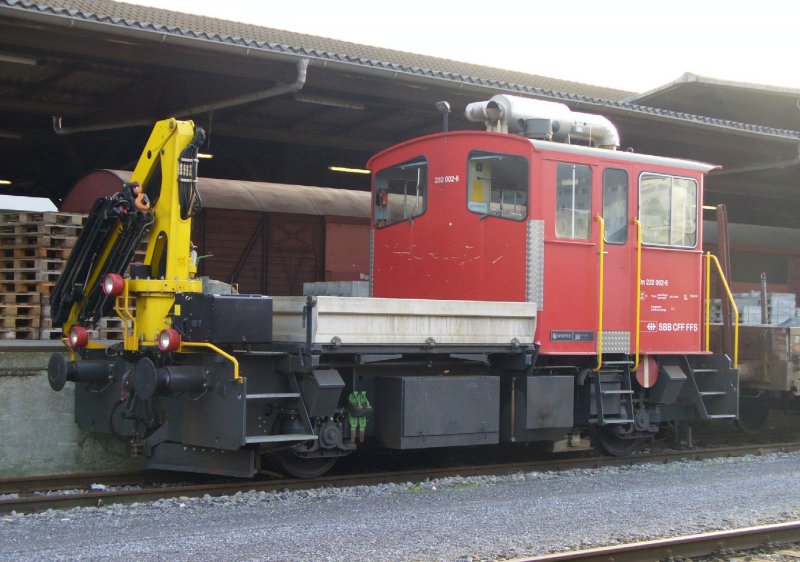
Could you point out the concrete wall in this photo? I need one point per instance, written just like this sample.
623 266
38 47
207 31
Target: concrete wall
38 434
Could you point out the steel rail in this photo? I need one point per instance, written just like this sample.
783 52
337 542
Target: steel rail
107 497
684 546
78 480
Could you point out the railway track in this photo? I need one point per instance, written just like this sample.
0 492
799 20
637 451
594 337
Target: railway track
78 481
38 493
677 547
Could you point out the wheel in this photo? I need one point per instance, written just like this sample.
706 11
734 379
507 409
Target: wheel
753 414
291 464
606 442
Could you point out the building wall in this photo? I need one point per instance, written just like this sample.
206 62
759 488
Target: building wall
38 435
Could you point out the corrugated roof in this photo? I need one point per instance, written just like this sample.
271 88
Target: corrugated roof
281 42
202 27
761 104
690 78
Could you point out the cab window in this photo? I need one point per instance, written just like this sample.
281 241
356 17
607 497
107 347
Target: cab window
401 192
615 205
573 201
668 210
497 185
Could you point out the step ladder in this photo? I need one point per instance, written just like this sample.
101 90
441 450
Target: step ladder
292 399
612 383
714 386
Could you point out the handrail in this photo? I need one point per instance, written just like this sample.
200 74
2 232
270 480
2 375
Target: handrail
638 290
236 376
708 304
709 258
600 299
129 337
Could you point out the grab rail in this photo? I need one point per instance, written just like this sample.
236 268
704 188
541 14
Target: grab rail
709 258
637 328
236 376
122 306
600 220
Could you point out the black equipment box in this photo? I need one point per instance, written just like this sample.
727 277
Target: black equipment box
414 412
202 317
537 408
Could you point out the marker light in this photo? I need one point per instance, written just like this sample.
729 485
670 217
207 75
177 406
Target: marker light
113 284
169 340
78 337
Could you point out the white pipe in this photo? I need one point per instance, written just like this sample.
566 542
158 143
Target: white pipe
507 114
596 129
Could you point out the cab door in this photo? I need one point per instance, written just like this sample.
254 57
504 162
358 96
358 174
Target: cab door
619 262
570 319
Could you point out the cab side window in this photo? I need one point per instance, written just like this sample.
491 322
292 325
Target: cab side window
573 201
497 185
401 192
615 205
668 210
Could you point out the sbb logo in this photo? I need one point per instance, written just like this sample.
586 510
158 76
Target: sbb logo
651 326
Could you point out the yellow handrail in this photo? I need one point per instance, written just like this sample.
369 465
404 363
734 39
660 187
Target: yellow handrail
709 258
708 304
236 376
130 343
600 220
638 288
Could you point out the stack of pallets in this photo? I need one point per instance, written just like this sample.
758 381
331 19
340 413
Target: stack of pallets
33 250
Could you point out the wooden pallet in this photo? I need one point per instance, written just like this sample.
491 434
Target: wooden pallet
111 328
34 252
19 334
75 219
21 322
51 334
22 298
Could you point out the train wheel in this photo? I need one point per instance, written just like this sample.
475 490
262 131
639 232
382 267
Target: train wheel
753 414
296 466
606 442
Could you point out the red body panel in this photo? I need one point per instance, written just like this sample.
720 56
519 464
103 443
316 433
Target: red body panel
449 252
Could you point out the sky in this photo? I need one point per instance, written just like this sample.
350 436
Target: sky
634 45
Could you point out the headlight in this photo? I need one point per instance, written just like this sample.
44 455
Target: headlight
169 340
113 284
78 337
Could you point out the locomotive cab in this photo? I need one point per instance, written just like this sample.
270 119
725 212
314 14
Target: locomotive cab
606 243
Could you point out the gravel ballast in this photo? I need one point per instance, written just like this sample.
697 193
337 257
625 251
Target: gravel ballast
452 519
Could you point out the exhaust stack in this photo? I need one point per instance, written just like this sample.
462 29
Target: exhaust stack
543 119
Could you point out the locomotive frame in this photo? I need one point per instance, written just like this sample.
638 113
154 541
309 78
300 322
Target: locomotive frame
510 283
